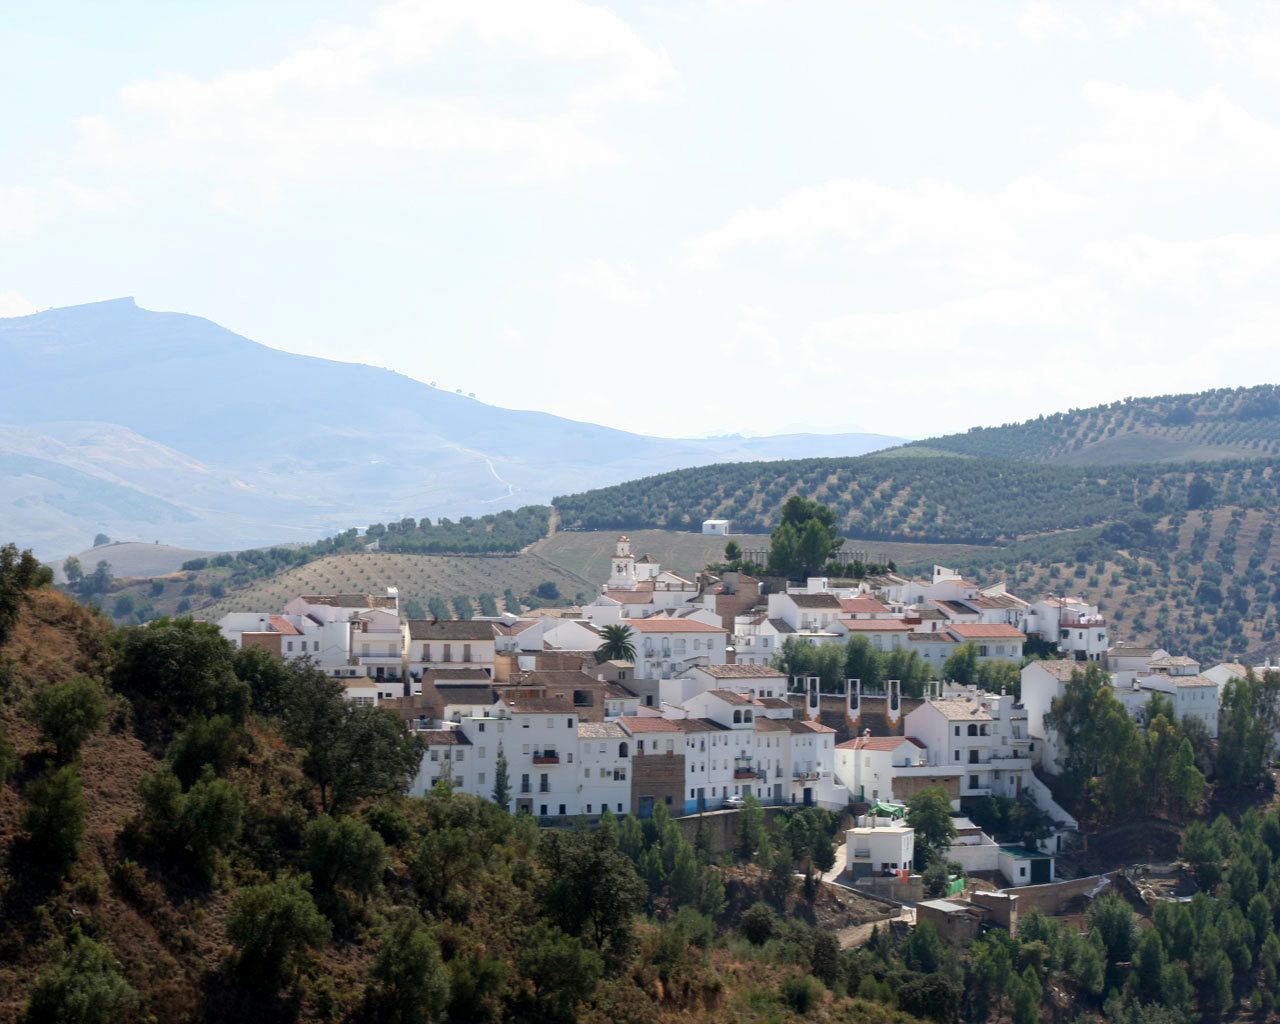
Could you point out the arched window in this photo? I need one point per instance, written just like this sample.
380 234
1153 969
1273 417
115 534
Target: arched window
973 730
622 750
746 716
737 718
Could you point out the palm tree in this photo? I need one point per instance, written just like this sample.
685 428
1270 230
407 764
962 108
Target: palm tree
616 644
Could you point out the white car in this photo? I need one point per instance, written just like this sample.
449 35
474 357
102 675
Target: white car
732 802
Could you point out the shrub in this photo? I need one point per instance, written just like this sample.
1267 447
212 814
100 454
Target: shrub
344 852
413 984
801 993
82 987
68 713
759 924
204 741
390 822
54 819
272 927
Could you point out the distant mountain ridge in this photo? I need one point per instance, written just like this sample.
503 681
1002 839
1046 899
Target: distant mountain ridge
166 426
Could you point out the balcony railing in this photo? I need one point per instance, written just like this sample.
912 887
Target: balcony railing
546 757
744 773
805 776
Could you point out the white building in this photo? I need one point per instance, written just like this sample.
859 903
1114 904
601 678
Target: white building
879 846
435 644
667 646
715 527
983 736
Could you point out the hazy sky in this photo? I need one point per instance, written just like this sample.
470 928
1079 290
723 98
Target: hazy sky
675 218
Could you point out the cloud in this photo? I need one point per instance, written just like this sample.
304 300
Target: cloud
928 224
614 282
15 304
18 216
1040 20
1158 135
378 98
1195 269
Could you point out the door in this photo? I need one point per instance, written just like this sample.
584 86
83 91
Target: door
808 796
645 807
1040 871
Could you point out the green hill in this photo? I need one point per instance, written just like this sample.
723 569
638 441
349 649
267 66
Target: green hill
896 497
1229 423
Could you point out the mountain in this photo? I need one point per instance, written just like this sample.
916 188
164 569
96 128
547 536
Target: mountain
148 425
1223 424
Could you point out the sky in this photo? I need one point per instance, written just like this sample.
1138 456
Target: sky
676 218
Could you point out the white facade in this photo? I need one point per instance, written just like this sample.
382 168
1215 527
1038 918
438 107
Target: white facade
983 736
666 647
715 527
879 846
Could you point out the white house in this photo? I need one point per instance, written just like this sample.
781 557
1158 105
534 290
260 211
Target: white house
867 765
996 641
605 765
715 527
449 643
983 736
879 846
667 646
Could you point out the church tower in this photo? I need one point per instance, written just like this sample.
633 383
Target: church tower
624 567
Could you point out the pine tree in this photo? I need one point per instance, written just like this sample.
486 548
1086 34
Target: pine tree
501 781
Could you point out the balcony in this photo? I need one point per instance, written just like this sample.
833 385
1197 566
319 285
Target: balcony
546 757
805 776
744 772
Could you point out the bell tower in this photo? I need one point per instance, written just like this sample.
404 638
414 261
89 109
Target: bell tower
623 576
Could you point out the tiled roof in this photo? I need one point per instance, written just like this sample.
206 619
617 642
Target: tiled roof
630 596
781 625
878 743
282 625
741 672
446 676
616 691
875 625
816 601
774 702
450 629
600 731
729 697
466 694
1062 668
444 737
959 709
986 631
664 625
634 724
688 725
862 606
932 638
540 706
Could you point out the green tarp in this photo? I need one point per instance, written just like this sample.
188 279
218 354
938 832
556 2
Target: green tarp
880 809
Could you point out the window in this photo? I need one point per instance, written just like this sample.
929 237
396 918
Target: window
586 773
588 808
524 723
466 652
957 730
622 750
562 809
524 783
289 644
480 779
525 749
481 754
570 757
973 730
482 730
957 755
551 723
568 723
315 644
435 755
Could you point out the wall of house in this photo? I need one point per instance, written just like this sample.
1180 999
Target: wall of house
659 777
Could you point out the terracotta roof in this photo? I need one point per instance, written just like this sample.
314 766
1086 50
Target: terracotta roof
794 726
634 724
729 697
774 702
781 625
456 675
932 638
986 631
616 691
878 743
816 601
282 625
741 672
660 624
465 693
600 731
1061 669
1174 661
629 596
875 625
450 629
513 628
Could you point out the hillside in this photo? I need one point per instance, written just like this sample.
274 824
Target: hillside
211 879
147 425
133 559
894 497
1225 424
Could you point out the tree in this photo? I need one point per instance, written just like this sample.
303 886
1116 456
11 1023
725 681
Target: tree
195 826
759 924
68 713
344 852
272 927
100 581
591 890
1116 922
73 570
751 833
19 575
267 676
930 815
174 669
203 742
1200 850
8 759
502 780
733 552
616 644
81 987
349 751
1026 998
560 973
1246 723
54 819
962 665
413 984
100 539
